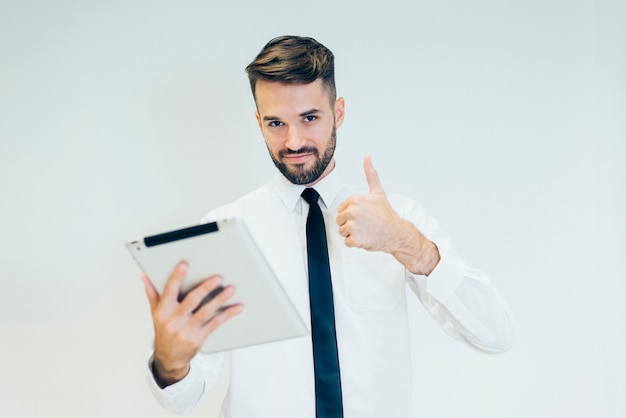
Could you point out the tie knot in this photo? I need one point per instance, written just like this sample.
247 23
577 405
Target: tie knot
310 195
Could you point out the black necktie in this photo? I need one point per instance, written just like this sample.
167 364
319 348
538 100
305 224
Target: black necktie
328 403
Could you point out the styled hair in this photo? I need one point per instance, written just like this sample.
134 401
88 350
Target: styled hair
294 60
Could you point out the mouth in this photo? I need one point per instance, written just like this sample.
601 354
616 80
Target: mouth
299 158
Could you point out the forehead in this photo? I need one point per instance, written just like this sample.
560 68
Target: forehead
278 98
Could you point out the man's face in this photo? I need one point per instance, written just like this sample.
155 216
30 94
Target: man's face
299 126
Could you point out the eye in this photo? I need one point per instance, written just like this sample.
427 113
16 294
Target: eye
310 118
275 123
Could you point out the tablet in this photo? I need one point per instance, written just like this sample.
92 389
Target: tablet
225 248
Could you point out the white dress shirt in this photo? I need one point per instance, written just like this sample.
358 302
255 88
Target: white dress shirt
276 379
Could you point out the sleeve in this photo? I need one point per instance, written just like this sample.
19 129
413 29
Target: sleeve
460 299
184 396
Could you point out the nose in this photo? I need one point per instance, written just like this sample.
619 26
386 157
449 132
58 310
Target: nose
293 140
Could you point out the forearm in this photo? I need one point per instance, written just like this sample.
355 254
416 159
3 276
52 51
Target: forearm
414 251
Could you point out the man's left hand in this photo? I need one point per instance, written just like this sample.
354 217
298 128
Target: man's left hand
369 222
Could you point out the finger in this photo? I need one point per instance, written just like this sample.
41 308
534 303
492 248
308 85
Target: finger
344 230
344 205
194 298
151 292
344 211
342 218
175 281
211 308
372 176
220 318
349 241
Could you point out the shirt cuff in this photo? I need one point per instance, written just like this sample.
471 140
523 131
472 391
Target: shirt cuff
183 396
443 281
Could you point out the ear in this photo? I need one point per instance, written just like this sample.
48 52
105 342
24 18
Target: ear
258 119
339 111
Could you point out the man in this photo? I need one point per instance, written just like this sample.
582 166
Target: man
377 244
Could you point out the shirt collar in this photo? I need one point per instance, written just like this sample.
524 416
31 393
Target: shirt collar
328 189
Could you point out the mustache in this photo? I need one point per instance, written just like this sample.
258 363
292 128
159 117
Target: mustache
303 150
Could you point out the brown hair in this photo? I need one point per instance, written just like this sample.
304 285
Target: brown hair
294 60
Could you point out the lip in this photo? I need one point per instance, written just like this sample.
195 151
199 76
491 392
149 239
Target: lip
297 158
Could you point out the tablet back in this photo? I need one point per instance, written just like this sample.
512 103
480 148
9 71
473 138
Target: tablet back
225 248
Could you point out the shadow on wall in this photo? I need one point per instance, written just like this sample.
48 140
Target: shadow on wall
208 143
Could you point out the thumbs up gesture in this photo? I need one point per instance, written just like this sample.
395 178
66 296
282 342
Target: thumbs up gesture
369 222
371 175
364 220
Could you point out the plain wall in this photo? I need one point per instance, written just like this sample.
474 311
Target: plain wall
504 119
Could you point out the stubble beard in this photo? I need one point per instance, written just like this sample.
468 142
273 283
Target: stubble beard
299 175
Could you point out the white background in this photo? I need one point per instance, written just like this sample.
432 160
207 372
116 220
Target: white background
504 118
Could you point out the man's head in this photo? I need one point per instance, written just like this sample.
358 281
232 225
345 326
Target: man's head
294 60
292 80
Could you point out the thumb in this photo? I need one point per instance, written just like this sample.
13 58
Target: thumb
372 176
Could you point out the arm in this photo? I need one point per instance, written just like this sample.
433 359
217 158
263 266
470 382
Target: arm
459 298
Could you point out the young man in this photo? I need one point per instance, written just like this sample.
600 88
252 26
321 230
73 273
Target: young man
377 244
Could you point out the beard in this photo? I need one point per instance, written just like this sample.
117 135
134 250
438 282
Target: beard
299 175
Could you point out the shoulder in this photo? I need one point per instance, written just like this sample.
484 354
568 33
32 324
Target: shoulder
242 204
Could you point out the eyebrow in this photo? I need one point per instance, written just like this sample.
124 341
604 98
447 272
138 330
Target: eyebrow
309 112
302 115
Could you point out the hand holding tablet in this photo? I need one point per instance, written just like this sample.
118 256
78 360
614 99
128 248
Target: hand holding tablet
182 326
196 270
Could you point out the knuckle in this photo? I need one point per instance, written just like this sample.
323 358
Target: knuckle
159 317
194 344
207 310
198 294
170 329
187 339
219 319
226 314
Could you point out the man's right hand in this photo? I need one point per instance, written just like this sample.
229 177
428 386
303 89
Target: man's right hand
180 328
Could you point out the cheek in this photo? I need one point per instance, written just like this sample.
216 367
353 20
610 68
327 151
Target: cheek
273 143
321 134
